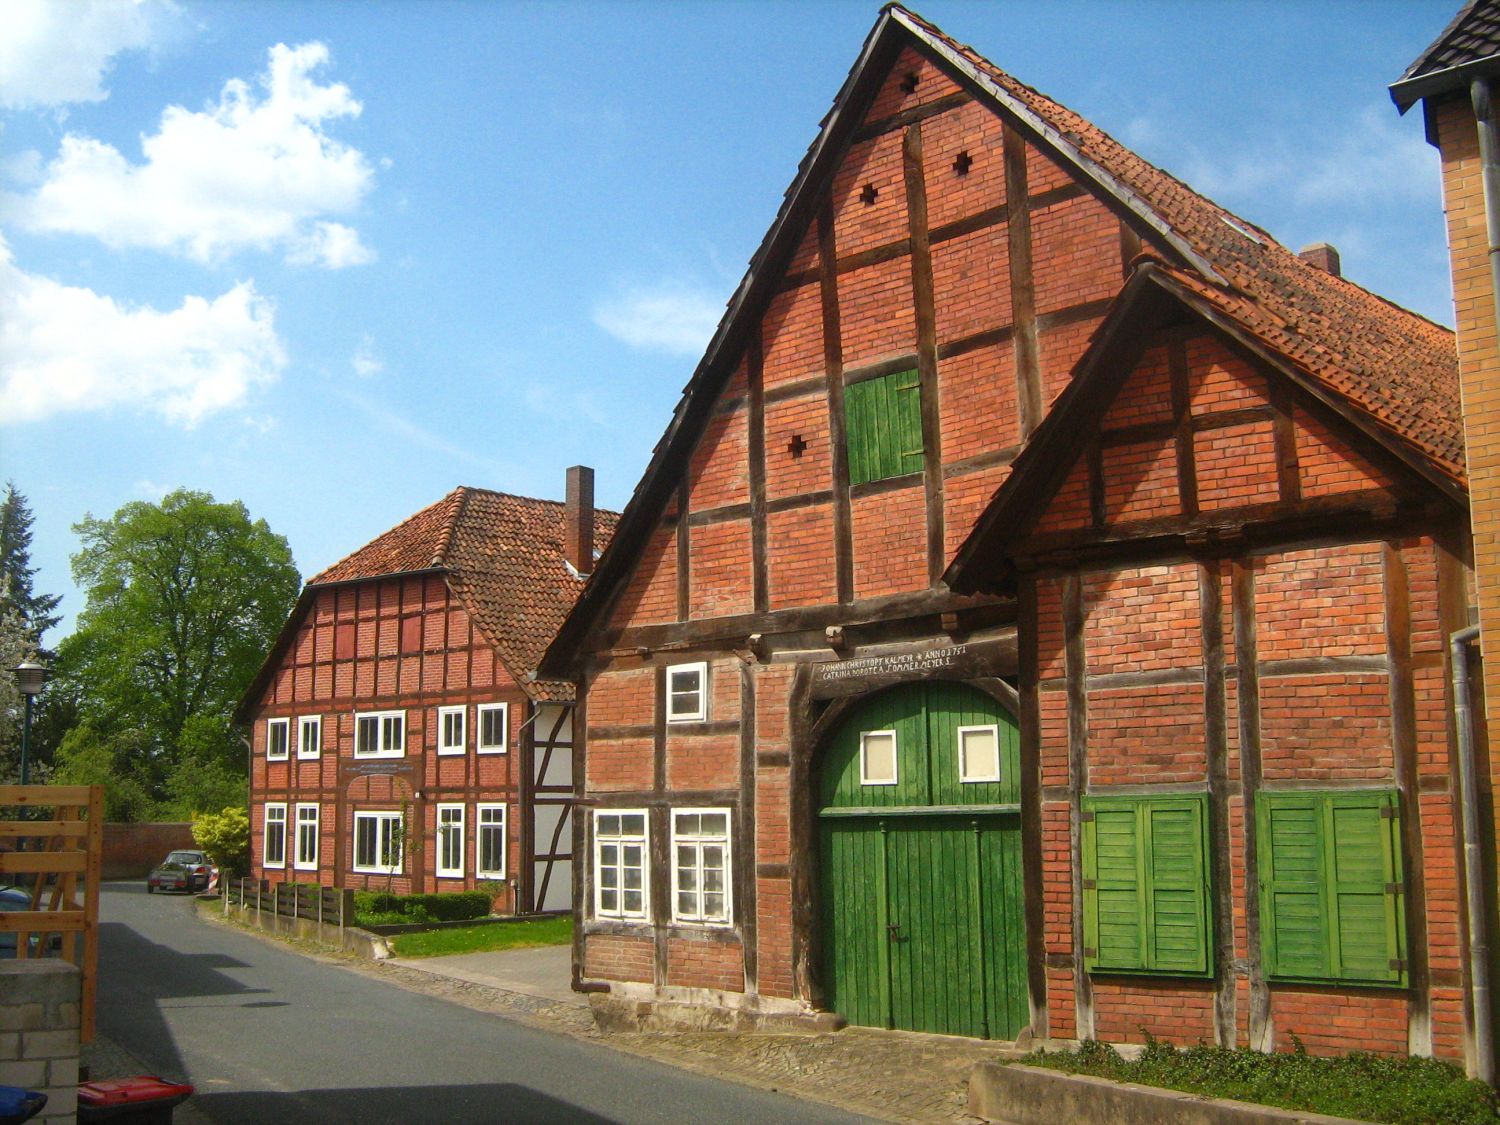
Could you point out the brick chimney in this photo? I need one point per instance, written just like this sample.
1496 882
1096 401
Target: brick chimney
578 520
1322 255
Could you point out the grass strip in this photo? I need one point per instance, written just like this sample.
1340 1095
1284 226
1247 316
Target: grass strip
488 938
1381 1088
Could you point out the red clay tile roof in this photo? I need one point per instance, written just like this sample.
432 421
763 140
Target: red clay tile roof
503 557
1397 368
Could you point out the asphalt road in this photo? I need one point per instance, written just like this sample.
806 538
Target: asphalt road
269 1036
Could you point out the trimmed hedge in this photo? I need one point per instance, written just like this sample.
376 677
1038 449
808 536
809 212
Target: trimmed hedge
386 908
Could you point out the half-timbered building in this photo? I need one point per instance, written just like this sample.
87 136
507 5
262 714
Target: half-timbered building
1032 621
399 736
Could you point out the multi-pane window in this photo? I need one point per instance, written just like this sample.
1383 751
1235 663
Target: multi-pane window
492 728
687 693
883 426
1330 878
452 736
450 841
378 837
700 865
273 850
979 753
278 735
307 838
309 736
1145 884
620 863
877 757
489 842
380 734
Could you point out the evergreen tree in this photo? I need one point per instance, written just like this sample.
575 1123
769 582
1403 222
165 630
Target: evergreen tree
16 571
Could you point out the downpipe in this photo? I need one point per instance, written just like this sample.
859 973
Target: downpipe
1489 170
1479 936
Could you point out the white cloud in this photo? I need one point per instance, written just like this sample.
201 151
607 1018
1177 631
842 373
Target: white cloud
252 172
53 53
666 317
66 349
365 362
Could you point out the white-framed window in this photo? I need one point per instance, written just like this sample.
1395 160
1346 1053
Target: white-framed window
489 841
979 753
273 843
453 735
450 841
310 736
278 737
700 866
493 722
621 877
379 734
306 858
377 842
877 757
687 693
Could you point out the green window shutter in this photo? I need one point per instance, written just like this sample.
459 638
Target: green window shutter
1146 885
1294 912
1330 897
1178 908
1114 920
883 426
1364 876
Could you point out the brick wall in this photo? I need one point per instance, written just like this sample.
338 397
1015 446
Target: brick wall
132 850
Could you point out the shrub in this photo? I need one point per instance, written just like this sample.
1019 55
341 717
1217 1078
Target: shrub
1398 1091
394 909
225 836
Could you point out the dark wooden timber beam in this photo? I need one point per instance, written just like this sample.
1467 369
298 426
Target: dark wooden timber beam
1022 281
833 370
927 374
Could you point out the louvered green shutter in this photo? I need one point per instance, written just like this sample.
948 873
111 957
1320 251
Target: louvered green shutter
1330 894
1114 917
1365 878
883 426
1178 908
1146 885
1294 910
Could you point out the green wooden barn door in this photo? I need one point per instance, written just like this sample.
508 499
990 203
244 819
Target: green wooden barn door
922 902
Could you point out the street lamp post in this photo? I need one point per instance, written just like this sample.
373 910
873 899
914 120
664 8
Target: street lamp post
30 678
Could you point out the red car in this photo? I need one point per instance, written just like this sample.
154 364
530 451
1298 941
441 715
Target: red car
181 871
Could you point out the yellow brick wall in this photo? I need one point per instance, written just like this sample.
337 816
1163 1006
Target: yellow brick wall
1479 364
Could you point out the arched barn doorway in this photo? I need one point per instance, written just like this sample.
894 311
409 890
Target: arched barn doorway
920 852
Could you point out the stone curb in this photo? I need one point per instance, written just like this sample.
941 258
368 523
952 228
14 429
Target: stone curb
1030 1095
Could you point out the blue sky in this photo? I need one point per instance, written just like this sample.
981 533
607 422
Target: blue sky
335 259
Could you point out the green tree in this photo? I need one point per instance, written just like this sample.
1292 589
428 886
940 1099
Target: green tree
16 644
17 575
88 756
225 836
184 598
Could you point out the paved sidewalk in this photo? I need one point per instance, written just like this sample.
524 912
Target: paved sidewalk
891 1076
544 972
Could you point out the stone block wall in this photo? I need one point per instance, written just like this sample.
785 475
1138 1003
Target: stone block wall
39 1028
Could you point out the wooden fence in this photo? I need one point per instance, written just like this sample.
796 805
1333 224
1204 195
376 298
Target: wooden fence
51 845
324 905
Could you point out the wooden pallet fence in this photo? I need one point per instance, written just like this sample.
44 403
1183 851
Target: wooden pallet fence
52 844
324 905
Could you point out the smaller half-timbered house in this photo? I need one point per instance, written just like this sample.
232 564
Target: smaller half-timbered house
399 736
